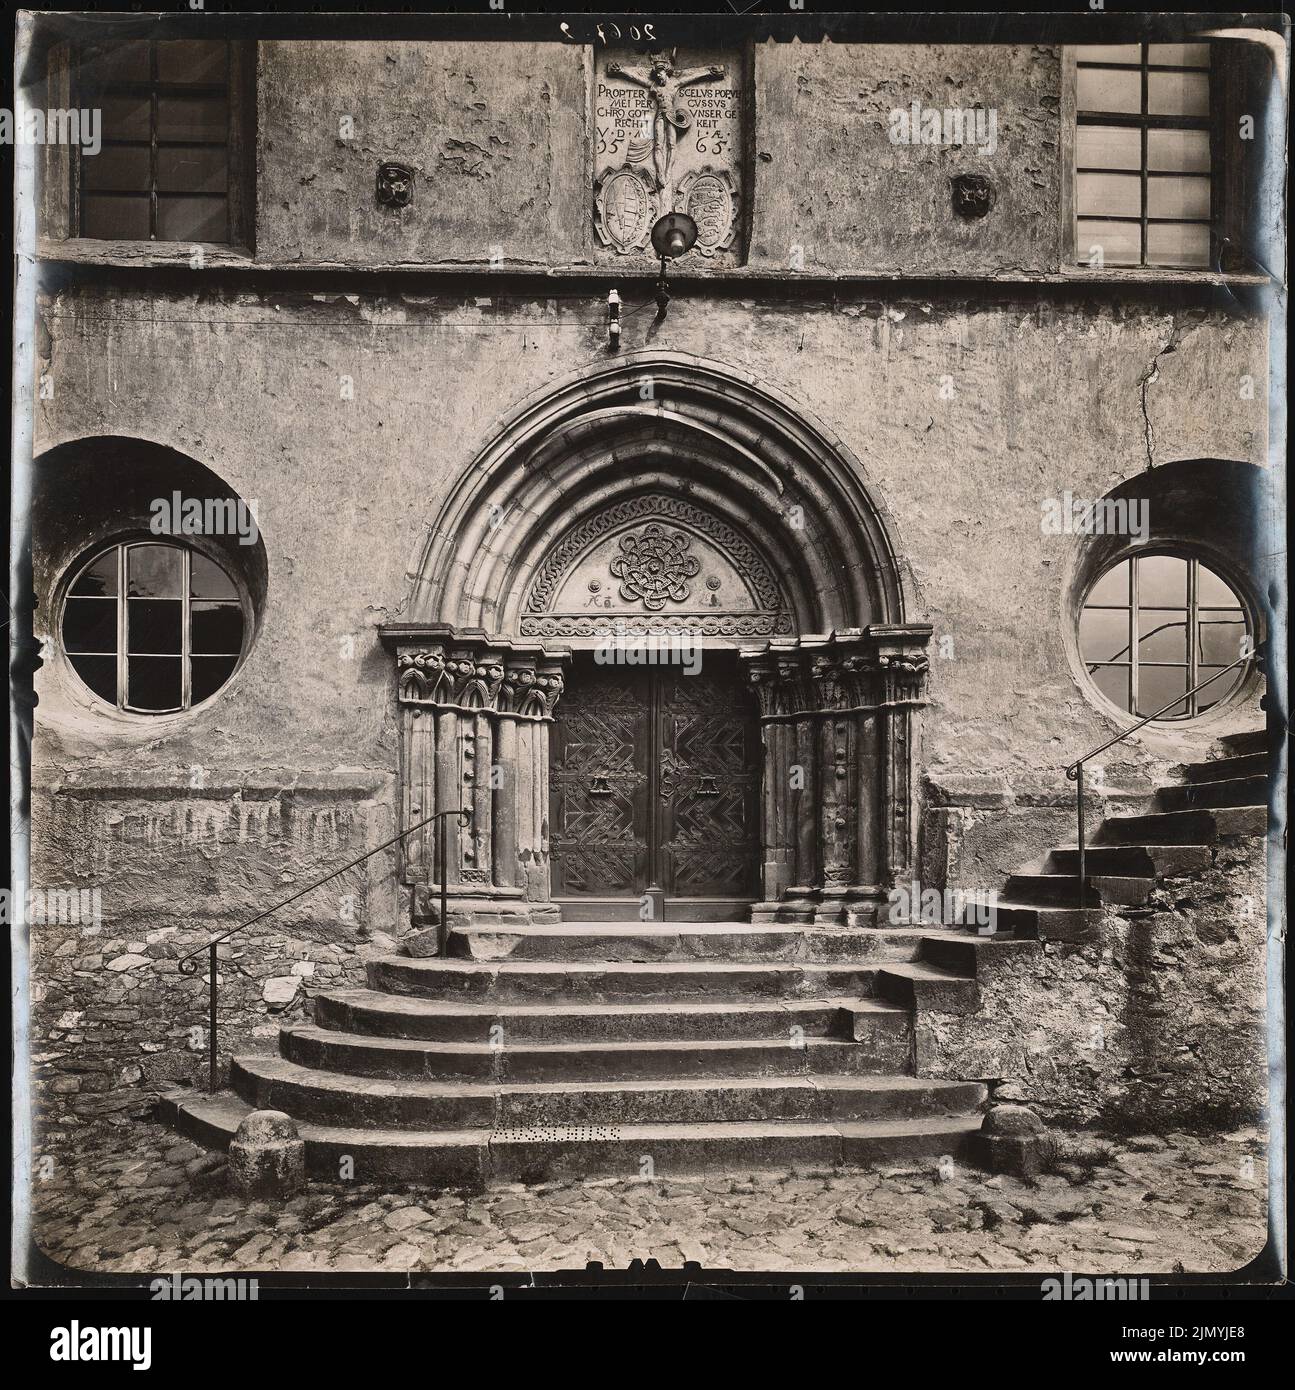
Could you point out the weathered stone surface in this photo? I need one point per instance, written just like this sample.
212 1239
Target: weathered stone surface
266 1158
1203 1211
1011 1120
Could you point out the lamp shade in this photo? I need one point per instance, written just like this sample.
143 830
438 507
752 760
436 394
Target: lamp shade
673 235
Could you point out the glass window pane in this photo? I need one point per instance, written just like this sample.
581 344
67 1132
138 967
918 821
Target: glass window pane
1109 89
1212 591
1162 581
153 682
191 60
154 625
1109 53
1108 195
99 673
1157 686
90 625
217 627
1172 196
208 580
1108 147
1104 634
153 571
116 169
192 169
1113 682
209 673
100 577
1178 243
1179 151
1162 635
1178 94
115 61
1218 689
1113 586
1219 636
1120 243
1179 55
126 116
184 118
191 219
114 216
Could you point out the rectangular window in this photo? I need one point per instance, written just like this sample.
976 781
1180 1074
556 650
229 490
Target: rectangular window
1143 172
164 171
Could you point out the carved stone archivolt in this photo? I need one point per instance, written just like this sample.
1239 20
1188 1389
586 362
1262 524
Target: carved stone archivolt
475 717
838 782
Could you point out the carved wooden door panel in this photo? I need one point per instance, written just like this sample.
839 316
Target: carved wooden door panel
598 778
655 786
708 784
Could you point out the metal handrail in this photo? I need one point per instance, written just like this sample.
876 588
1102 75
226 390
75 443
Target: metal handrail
1075 772
188 964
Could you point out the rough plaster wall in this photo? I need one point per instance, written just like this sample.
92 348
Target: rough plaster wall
1047 397
495 137
113 1020
829 179
1159 1023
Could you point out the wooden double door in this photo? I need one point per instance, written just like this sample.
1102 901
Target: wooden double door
655 792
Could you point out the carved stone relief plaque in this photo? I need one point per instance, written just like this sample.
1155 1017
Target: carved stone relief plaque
655 564
668 137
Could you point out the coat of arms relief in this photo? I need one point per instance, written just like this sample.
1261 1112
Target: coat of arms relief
668 132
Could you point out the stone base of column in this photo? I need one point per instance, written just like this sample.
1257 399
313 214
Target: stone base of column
831 909
868 907
796 906
471 908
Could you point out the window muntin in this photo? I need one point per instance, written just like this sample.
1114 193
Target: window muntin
152 627
163 172
1153 626
1143 189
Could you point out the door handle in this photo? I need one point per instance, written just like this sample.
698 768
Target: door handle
709 786
599 786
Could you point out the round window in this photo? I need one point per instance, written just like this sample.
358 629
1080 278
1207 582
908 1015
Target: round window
1154 627
153 627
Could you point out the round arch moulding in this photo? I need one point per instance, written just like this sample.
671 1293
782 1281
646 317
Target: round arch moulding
660 423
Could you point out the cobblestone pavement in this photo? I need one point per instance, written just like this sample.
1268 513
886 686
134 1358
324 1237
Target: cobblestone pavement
137 1200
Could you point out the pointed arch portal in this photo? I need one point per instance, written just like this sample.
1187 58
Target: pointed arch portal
660 502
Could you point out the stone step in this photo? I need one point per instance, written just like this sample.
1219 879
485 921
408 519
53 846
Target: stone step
1251 741
326 1098
588 981
1224 769
730 942
477 1157
1062 890
397 1016
1036 921
884 1046
1233 791
1135 861
924 986
1184 827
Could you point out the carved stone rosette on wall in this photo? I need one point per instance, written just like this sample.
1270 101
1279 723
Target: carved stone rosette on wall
838 823
474 717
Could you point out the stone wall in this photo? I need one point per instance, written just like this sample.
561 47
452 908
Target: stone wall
1158 1023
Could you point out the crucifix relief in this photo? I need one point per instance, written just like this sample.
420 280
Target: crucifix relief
668 135
670 116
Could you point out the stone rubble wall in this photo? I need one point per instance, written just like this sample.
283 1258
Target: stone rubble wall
1158 1023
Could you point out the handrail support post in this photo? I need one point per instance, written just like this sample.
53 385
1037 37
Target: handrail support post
1083 876
213 1080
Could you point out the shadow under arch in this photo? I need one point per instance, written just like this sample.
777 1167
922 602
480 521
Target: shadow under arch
665 423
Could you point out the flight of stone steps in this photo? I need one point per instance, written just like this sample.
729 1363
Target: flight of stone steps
615 1049
1224 796
644 1050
